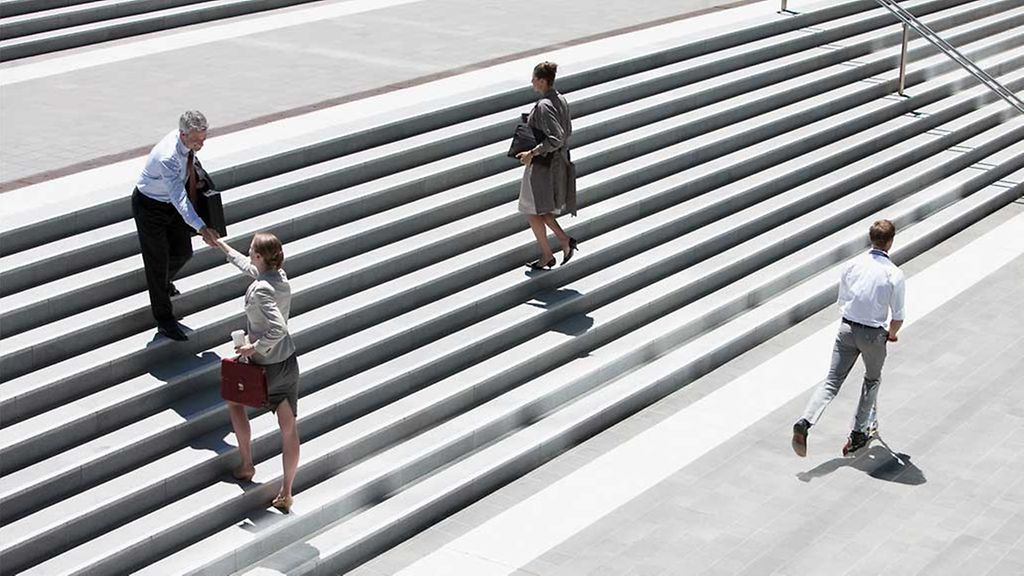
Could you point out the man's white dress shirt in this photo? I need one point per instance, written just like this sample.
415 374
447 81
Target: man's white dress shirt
870 287
163 178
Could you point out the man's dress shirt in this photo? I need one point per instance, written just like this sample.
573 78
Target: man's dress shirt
163 178
871 286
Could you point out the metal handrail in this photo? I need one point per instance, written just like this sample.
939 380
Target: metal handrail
911 22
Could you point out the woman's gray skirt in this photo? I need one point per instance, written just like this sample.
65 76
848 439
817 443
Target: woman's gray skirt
283 383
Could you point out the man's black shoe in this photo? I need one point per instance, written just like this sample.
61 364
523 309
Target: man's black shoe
172 331
800 437
856 441
172 290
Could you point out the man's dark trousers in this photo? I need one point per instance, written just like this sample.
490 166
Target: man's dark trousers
166 242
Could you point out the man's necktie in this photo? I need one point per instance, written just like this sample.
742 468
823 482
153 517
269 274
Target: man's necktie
191 175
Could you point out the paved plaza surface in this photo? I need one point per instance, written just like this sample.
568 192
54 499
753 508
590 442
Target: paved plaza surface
60 123
951 407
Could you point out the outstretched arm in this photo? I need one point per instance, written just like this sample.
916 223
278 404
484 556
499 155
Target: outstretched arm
241 261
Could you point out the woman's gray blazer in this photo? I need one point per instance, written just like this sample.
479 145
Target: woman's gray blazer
268 301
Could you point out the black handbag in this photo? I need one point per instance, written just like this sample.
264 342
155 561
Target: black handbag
526 138
208 204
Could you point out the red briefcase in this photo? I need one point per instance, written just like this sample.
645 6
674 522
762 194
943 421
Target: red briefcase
243 382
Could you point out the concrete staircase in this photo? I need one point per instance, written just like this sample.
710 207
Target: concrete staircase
722 182
33 27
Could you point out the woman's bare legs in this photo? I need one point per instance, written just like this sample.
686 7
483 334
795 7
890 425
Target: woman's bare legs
563 238
289 446
540 233
243 433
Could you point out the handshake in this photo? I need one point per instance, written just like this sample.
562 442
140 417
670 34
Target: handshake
210 236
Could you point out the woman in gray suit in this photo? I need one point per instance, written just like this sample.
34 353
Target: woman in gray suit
267 305
548 188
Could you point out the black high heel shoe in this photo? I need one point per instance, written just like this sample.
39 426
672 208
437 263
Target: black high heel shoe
538 265
572 250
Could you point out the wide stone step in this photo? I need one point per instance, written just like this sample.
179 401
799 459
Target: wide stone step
90 249
19 233
336 495
116 406
149 395
313 216
357 537
606 284
17 7
72 15
68 473
96 22
33 353
80 253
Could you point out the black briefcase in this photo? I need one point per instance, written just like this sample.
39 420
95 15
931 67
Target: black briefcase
526 138
208 203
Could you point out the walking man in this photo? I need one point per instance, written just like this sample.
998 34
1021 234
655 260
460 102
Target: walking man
870 287
165 215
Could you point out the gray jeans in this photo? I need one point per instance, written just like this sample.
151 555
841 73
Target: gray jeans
851 342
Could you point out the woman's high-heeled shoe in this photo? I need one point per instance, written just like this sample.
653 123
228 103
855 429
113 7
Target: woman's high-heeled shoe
283 503
572 249
538 265
244 474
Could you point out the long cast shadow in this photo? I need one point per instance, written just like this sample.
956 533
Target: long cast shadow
878 461
575 325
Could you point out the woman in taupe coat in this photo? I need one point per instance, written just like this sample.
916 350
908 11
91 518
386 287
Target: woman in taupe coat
267 307
549 183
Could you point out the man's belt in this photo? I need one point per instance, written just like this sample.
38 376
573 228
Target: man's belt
859 325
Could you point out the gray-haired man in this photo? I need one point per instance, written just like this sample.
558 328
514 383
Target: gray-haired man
869 288
165 216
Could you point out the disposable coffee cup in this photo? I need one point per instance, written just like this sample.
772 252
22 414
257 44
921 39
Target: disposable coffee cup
238 338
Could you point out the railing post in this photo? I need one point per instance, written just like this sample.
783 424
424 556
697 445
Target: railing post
903 60
783 8
911 22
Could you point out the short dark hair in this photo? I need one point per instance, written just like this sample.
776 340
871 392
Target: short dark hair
882 232
546 71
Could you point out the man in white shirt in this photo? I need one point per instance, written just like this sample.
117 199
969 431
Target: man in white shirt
870 287
165 215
